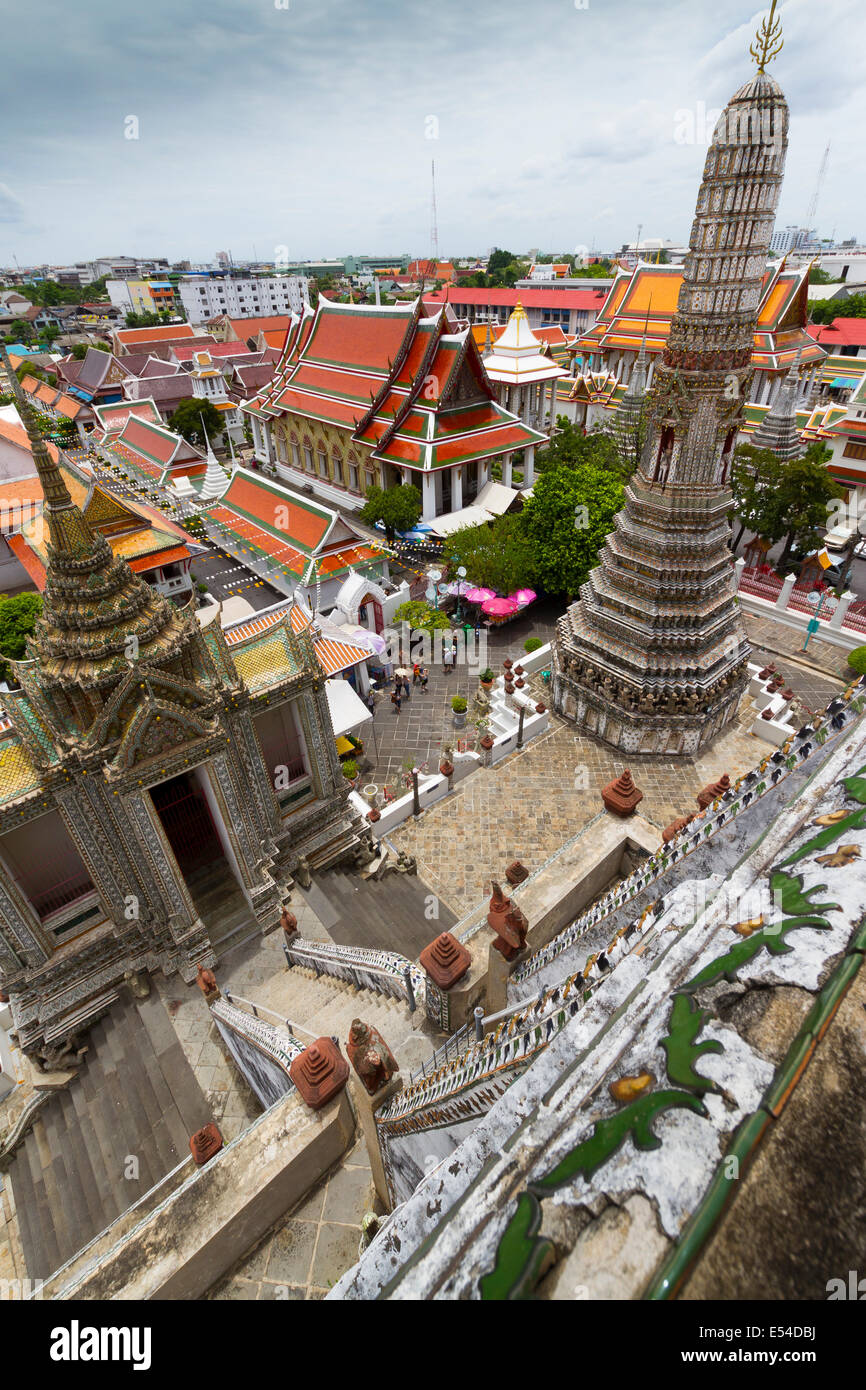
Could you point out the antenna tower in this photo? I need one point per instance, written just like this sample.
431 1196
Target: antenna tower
822 174
434 229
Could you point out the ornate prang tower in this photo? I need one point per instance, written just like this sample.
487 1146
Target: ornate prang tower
653 657
152 772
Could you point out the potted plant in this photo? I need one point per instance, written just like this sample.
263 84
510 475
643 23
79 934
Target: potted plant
350 769
458 710
486 678
532 644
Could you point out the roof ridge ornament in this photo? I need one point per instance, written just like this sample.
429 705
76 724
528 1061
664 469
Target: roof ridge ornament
768 40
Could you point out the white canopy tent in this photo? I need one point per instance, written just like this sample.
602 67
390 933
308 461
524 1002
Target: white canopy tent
348 711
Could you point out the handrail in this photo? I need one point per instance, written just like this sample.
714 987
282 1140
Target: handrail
260 1009
185 1162
401 974
521 1037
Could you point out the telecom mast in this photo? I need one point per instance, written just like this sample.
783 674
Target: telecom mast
813 206
434 229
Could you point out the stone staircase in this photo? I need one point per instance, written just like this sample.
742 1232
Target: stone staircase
222 906
136 1096
388 914
325 1007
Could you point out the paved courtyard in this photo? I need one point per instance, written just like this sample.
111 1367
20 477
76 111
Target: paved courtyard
528 805
425 723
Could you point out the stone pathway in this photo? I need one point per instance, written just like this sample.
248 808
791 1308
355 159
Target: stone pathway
778 640
305 1254
526 806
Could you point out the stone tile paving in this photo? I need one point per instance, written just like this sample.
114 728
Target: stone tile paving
526 806
775 638
308 1250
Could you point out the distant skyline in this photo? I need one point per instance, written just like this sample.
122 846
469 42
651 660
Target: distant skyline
309 127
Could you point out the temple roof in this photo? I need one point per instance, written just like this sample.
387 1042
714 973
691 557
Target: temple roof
645 300
269 522
136 532
517 356
403 384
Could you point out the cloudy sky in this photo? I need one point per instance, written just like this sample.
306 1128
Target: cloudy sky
311 124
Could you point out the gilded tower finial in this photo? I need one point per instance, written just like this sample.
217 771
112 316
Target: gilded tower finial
768 40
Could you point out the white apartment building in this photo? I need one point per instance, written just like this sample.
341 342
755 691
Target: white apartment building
262 297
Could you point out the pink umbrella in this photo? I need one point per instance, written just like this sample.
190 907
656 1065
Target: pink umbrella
499 607
524 596
479 595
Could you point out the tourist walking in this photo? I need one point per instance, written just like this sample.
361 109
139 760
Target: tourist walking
396 700
416 673
423 676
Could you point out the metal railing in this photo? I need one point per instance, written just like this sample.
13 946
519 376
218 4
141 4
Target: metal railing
515 1040
259 1011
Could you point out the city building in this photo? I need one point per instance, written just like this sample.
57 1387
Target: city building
205 298
653 657
369 395
843 337
573 310
130 296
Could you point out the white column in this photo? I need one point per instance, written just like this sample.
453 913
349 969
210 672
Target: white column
428 497
842 607
739 566
529 466
552 416
785 592
506 469
457 488
483 473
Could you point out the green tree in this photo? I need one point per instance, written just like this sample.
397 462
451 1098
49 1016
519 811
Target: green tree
187 421
571 448
805 491
826 310
18 617
398 508
499 555
567 518
421 617
783 501
817 276
755 477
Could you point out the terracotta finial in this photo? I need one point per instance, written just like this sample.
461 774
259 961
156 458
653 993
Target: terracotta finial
319 1072
621 796
205 1143
445 960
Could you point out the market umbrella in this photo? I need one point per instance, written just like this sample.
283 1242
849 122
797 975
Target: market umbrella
479 595
524 596
499 607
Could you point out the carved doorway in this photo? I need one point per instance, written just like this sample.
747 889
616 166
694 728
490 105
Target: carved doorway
186 819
